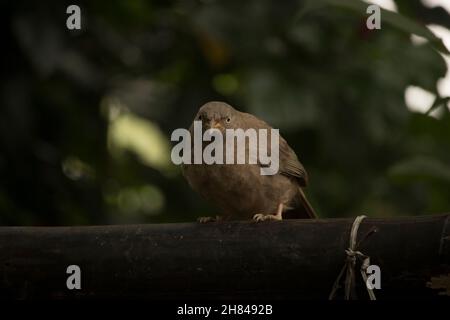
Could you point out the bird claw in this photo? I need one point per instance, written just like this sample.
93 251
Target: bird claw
263 217
208 219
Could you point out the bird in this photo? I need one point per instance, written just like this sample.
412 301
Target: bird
239 190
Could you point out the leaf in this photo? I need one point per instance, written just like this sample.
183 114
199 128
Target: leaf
420 168
395 19
439 102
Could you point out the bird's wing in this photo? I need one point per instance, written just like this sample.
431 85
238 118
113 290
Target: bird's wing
289 164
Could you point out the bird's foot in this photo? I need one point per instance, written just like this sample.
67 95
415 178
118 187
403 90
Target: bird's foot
264 217
209 219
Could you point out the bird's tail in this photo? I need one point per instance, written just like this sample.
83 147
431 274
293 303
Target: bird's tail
306 205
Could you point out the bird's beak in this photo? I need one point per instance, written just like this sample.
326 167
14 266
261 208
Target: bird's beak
215 125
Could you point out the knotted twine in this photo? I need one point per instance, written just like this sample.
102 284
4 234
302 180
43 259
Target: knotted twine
349 267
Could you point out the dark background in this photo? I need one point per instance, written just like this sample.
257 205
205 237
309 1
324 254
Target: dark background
86 116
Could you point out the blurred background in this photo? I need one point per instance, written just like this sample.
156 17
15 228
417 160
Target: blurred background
86 115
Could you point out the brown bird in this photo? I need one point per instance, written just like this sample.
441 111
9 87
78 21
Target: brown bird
239 189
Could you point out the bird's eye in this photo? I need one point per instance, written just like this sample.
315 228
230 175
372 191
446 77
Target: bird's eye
200 117
228 120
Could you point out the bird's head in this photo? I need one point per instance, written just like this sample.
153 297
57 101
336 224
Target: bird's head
217 115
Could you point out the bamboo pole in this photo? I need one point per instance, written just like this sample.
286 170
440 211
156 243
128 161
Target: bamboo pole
275 259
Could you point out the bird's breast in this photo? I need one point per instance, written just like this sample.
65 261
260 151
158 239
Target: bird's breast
240 190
